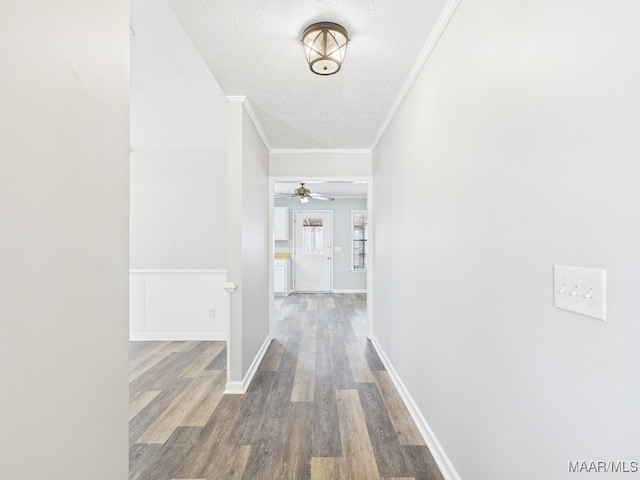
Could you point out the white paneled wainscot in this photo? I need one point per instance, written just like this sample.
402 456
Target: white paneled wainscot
178 305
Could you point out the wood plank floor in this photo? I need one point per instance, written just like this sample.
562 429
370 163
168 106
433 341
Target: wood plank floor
320 407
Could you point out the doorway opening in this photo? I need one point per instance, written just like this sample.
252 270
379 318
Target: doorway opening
314 240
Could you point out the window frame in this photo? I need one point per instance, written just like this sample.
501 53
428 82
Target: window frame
364 268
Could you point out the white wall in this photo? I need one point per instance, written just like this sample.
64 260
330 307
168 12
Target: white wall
178 141
320 163
176 103
255 234
64 145
178 181
178 209
344 278
247 253
520 137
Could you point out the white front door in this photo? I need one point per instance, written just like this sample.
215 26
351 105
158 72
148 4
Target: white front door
313 250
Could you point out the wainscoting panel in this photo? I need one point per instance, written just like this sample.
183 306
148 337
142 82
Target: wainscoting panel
178 305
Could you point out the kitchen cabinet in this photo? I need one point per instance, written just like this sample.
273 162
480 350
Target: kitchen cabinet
281 277
281 224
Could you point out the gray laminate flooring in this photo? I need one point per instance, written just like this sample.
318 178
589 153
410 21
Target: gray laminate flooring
321 405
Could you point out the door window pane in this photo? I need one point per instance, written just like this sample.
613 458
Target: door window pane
312 236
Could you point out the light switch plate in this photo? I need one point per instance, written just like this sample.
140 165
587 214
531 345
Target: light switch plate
581 290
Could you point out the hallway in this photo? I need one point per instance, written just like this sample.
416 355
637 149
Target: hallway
321 405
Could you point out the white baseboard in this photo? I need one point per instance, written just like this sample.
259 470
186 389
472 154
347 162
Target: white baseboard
444 463
177 336
349 290
234 388
237 387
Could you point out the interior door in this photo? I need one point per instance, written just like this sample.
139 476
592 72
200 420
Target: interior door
313 259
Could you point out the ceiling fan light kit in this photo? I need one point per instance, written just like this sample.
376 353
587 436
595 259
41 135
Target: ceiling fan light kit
325 46
304 195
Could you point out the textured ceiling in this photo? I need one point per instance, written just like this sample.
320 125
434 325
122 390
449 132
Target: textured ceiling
253 48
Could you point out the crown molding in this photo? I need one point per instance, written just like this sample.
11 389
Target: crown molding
244 101
320 150
432 41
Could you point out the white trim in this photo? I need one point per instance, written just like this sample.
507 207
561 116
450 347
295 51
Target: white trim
234 388
349 290
432 41
175 271
241 387
319 150
270 255
252 116
321 178
229 287
370 279
444 463
177 336
144 304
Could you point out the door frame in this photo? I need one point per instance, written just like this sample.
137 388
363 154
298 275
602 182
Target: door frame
293 256
370 221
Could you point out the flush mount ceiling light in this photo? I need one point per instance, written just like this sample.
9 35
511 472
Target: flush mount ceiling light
325 45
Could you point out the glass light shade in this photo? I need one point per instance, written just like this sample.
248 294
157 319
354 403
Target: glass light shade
325 46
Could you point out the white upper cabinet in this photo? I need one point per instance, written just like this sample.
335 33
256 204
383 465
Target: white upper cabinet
281 224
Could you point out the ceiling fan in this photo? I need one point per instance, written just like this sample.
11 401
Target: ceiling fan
304 194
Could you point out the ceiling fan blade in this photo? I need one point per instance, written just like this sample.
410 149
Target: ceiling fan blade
304 195
319 196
